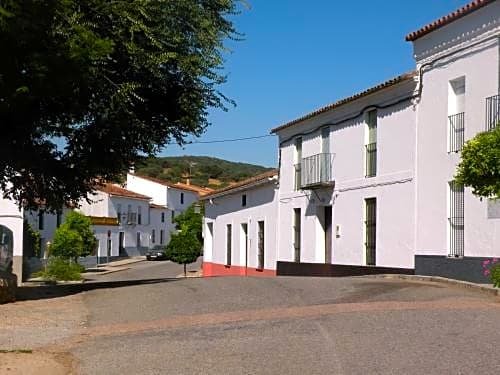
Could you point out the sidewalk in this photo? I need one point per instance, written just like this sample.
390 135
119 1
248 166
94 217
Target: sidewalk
123 262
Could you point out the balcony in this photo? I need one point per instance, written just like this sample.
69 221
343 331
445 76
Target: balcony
315 171
457 128
492 112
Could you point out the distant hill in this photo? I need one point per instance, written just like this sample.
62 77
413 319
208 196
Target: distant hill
202 170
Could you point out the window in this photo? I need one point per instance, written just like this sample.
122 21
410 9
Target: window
325 160
228 244
41 222
456 219
153 235
119 212
173 216
297 163
370 231
138 239
58 218
139 215
296 233
371 145
182 198
244 200
163 217
456 114
260 245
161 236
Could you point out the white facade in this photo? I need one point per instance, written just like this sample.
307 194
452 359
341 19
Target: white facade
463 53
392 186
11 246
251 214
132 234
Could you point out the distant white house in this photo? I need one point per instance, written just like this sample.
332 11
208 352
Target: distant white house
240 228
125 222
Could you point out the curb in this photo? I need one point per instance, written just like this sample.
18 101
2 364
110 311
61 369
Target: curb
442 280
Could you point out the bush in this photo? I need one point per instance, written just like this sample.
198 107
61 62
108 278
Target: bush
491 268
495 275
61 269
74 238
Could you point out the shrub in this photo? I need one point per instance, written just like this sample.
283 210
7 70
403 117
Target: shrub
491 268
61 269
74 238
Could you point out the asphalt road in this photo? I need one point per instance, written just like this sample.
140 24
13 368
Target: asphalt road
287 326
145 321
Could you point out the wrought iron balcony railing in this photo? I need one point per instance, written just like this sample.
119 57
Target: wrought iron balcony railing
457 128
316 170
492 112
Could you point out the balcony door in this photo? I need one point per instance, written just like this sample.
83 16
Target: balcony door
328 234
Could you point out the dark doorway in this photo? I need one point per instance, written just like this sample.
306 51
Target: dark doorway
328 234
371 231
121 247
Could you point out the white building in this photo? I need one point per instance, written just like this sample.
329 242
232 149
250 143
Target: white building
125 222
366 183
240 228
458 61
11 238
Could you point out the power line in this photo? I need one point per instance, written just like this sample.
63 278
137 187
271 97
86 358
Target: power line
226 140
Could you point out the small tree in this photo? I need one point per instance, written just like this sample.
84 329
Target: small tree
480 164
74 238
190 221
183 248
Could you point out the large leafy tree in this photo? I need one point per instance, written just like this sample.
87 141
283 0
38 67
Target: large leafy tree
480 164
88 87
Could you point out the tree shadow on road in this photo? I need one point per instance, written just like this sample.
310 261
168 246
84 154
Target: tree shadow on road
30 293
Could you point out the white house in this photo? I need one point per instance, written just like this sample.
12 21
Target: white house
124 221
458 63
347 183
11 237
240 228
366 184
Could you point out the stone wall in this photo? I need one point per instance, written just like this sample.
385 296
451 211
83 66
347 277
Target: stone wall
8 286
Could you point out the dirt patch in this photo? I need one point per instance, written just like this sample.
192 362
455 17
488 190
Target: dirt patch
36 363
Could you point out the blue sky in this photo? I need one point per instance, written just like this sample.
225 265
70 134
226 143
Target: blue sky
300 55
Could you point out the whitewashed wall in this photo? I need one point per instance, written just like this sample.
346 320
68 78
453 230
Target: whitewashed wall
479 64
149 188
393 186
228 209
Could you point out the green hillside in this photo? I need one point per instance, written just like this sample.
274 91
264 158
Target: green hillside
204 170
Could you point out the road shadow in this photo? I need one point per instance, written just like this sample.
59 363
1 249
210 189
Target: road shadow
30 293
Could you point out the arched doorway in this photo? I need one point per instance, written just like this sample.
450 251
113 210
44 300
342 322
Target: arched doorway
6 249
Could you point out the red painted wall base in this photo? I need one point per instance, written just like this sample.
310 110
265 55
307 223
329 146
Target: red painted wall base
214 269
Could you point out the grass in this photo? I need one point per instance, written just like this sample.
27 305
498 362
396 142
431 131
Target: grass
61 270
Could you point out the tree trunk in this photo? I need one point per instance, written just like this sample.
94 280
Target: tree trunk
185 270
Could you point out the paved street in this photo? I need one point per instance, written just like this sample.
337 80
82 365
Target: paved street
145 321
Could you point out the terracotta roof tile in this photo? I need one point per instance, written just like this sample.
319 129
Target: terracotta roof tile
118 191
159 206
381 86
242 184
459 13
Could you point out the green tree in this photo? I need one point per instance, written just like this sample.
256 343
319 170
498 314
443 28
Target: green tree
74 238
479 167
87 87
190 221
31 241
183 248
